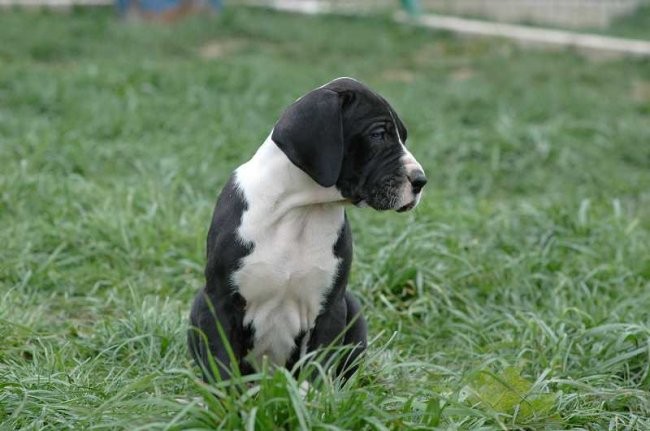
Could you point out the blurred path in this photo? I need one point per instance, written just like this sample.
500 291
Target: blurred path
534 35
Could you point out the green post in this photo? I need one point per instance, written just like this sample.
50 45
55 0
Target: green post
412 7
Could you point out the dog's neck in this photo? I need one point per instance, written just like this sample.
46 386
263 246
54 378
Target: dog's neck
270 177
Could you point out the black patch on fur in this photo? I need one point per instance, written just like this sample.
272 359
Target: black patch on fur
219 302
310 133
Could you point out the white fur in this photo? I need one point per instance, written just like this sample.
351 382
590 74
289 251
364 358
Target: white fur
410 164
293 223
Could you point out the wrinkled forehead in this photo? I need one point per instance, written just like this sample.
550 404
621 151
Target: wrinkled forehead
370 106
365 103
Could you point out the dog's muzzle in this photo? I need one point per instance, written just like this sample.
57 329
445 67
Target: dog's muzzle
415 182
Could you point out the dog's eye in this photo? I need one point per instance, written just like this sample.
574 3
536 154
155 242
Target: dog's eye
378 134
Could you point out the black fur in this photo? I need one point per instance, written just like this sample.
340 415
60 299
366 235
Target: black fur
310 133
219 302
328 134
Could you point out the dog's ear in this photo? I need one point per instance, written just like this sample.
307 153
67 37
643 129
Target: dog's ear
310 133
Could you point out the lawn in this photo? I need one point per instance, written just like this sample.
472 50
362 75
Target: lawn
516 296
635 25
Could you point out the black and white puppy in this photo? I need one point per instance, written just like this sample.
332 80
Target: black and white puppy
279 248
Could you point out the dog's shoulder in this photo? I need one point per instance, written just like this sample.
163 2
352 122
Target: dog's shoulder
225 248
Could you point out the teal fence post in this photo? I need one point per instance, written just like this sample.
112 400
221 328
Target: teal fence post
412 7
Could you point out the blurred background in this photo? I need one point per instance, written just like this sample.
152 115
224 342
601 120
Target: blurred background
565 13
558 13
514 297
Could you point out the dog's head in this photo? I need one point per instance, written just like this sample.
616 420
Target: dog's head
345 135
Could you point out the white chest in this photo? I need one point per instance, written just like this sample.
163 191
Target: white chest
292 267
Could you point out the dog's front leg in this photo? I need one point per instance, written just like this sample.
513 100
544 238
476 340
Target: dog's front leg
340 325
356 336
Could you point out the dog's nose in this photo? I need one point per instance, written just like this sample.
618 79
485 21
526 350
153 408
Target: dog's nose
418 180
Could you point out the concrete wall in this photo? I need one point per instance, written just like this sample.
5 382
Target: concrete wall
564 13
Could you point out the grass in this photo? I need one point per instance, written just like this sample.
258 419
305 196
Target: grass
515 297
635 25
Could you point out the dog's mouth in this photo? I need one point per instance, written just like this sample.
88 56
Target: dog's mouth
406 207
360 203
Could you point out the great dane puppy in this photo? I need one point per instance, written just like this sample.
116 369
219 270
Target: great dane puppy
279 248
